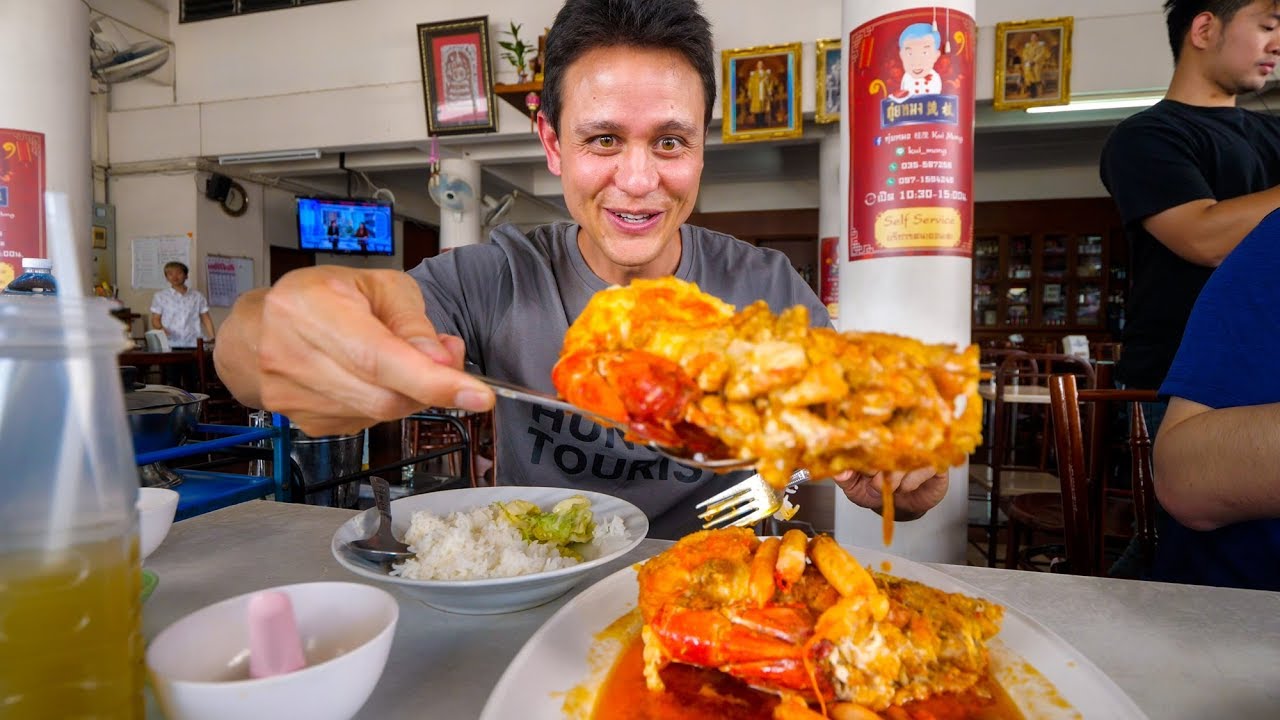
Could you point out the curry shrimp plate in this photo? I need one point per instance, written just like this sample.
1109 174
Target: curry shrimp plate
724 624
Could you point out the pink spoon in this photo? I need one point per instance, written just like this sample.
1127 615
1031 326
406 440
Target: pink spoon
275 647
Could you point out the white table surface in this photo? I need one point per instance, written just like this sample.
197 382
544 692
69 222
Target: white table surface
1179 651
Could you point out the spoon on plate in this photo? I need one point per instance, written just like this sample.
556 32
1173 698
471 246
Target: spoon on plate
381 546
697 459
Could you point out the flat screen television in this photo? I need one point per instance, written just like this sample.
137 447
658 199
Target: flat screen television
360 227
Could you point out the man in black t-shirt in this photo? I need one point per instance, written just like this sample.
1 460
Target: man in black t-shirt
1193 174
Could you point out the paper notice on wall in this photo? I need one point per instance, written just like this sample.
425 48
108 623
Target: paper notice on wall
150 255
228 277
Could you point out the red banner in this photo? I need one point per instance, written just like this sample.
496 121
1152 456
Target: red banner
829 275
21 200
911 135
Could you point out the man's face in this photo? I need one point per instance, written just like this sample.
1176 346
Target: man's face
175 276
629 155
1247 49
918 56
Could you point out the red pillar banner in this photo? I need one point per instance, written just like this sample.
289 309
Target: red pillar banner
829 275
910 95
21 200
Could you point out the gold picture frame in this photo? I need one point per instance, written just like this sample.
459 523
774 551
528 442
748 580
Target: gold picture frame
1033 63
761 93
827 97
457 76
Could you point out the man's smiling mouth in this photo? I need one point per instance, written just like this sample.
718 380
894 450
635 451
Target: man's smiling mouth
636 218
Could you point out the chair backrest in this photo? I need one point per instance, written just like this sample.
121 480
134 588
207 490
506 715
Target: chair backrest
1082 485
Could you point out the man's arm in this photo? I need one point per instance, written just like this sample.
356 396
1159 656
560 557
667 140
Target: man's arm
206 322
338 349
1215 467
1205 231
157 322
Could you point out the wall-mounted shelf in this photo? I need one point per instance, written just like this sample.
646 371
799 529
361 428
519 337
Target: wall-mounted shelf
516 93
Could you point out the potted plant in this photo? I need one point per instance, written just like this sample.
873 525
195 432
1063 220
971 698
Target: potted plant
515 51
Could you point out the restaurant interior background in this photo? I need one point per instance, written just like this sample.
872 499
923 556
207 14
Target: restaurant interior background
340 81
343 78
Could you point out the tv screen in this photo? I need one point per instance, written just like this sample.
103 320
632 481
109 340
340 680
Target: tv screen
345 226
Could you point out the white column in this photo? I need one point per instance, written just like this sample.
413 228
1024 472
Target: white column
45 48
925 296
460 211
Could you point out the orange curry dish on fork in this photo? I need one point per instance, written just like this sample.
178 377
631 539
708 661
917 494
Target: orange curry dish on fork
686 370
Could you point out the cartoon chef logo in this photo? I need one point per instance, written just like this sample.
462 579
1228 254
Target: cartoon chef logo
919 47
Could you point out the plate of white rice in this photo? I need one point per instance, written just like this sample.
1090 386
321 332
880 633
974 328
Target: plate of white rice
470 559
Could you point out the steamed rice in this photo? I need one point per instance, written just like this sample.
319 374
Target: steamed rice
482 543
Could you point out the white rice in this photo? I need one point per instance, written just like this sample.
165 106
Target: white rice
482 543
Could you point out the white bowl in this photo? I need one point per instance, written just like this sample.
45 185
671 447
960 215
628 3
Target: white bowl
156 508
491 596
199 666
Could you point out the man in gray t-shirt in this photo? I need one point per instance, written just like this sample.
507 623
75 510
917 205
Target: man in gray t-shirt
628 90
513 299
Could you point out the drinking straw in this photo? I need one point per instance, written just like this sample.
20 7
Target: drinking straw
78 433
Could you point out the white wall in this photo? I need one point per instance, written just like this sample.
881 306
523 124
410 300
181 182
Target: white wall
151 205
221 234
278 80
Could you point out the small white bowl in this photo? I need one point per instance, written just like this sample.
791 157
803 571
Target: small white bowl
199 666
494 595
156 508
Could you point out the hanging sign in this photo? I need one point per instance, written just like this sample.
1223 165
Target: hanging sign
911 135
21 200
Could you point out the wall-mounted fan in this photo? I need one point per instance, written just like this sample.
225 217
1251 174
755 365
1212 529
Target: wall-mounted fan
451 193
495 210
115 60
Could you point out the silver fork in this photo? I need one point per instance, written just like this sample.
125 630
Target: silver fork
524 394
746 503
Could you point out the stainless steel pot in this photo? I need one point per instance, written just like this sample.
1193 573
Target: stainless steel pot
160 416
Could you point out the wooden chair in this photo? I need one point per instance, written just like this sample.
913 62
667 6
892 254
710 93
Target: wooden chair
1019 392
1080 511
221 408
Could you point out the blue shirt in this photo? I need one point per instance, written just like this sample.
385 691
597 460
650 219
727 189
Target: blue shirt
1228 358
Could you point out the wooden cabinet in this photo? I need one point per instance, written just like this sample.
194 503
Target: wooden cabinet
1048 268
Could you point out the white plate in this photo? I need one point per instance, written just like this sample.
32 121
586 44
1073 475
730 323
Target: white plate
498 595
565 655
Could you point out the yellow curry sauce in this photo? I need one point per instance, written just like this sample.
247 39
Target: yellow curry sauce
694 693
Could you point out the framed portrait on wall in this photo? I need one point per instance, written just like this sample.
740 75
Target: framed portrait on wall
457 76
826 101
762 93
1033 63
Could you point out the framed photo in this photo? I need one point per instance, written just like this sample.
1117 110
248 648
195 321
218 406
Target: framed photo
762 93
1033 63
826 103
457 76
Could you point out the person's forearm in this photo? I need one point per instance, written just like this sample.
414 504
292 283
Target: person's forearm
1208 236
156 322
1220 467
207 323
235 355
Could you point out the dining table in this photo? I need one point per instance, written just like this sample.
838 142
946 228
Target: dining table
1179 651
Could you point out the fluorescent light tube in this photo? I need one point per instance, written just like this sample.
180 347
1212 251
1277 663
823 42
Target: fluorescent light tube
271 156
1099 104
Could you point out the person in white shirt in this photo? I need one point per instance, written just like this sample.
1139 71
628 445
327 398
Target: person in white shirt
180 311
919 47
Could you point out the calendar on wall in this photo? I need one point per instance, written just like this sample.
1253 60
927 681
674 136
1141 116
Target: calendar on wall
227 278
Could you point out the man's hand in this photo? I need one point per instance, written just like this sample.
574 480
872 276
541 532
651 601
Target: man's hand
914 493
338 349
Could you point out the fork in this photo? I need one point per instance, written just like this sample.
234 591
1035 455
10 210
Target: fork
746 503
524 394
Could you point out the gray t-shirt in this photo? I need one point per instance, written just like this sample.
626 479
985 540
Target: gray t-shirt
513 299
